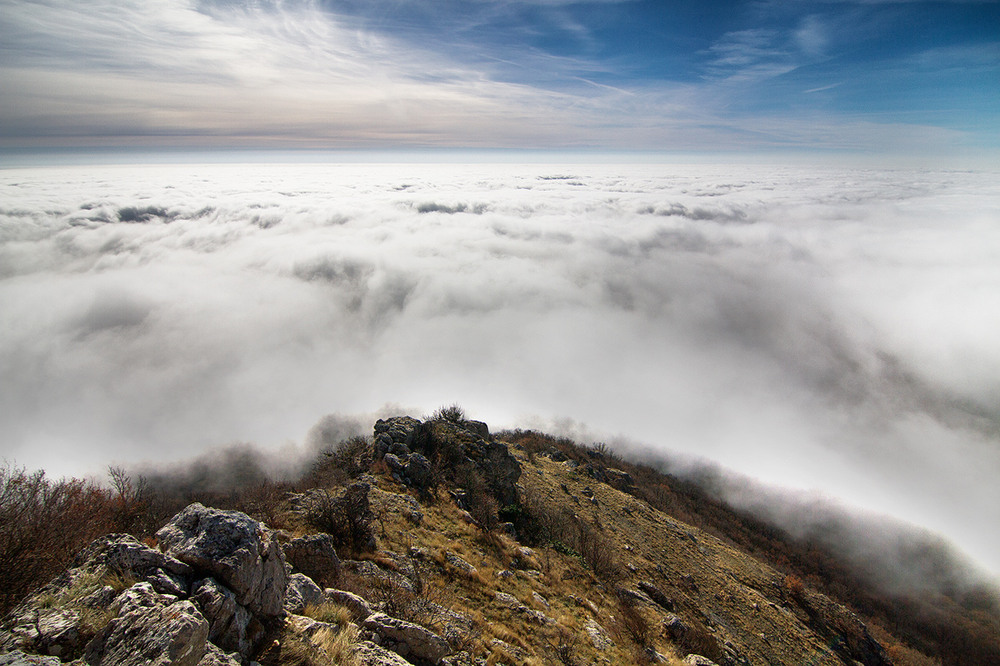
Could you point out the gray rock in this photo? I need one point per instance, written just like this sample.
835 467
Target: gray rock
358 607
657 596
18 658
397 429
418 470
369 654
140 595
459 563
173 635
698 660
165 582
315 556
399 449
539 599
230 624
215 656
395 464
407 639
99 598
618 479
121 553
463 658
58 632
235 549
598 636
301 592
370 570
455 443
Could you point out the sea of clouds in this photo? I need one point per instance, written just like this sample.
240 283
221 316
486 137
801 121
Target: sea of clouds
833 331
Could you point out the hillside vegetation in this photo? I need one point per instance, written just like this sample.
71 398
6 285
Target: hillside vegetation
503 548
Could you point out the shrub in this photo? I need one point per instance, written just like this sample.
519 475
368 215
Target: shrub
452 413
43 524
345 460
346 517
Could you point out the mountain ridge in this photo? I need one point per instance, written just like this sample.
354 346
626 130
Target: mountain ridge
550 552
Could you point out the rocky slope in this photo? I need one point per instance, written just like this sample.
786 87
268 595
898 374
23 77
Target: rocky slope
438 544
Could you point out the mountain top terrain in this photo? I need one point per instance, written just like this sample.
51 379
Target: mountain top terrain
436 541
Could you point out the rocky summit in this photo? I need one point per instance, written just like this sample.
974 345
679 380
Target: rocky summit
440 544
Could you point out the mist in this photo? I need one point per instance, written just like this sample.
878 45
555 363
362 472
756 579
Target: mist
830 331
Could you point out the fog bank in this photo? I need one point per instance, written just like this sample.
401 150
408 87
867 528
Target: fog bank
823 330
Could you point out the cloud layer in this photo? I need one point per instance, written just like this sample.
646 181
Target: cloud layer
825 330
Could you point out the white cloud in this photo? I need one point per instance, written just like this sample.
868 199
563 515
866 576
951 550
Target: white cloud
829 329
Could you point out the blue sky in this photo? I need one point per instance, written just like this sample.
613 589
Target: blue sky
846 76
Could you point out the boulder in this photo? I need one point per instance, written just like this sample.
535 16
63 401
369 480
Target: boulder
418 470
469 441
18 658
396 430
315 556
395 464
233 548
139 596
58 632
369 654
398 503
122 553
657 596
358 607
406 639
598 636
173 635
698 660
215 656
230 624
301 592
459 563
616 478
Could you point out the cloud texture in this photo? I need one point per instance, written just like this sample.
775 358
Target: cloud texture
825 330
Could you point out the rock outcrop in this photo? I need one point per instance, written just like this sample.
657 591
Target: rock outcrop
406 639
233 548
314 556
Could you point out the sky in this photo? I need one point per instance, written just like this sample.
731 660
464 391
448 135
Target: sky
893 77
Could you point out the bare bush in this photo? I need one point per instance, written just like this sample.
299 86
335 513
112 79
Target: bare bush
347 517
345 460
43 524
452 413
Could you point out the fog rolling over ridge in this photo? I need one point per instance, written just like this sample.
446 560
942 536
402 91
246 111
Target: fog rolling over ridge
825 330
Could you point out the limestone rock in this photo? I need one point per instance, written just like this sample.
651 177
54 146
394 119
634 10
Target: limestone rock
459 563
598 636
140 595
359 608
229 622
407 639
369 654
395 464
18 658
235 549
173 635
398 503
215 656
418 470
301 592
618 479
58 632
698 660
315 556
456 443
122 553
